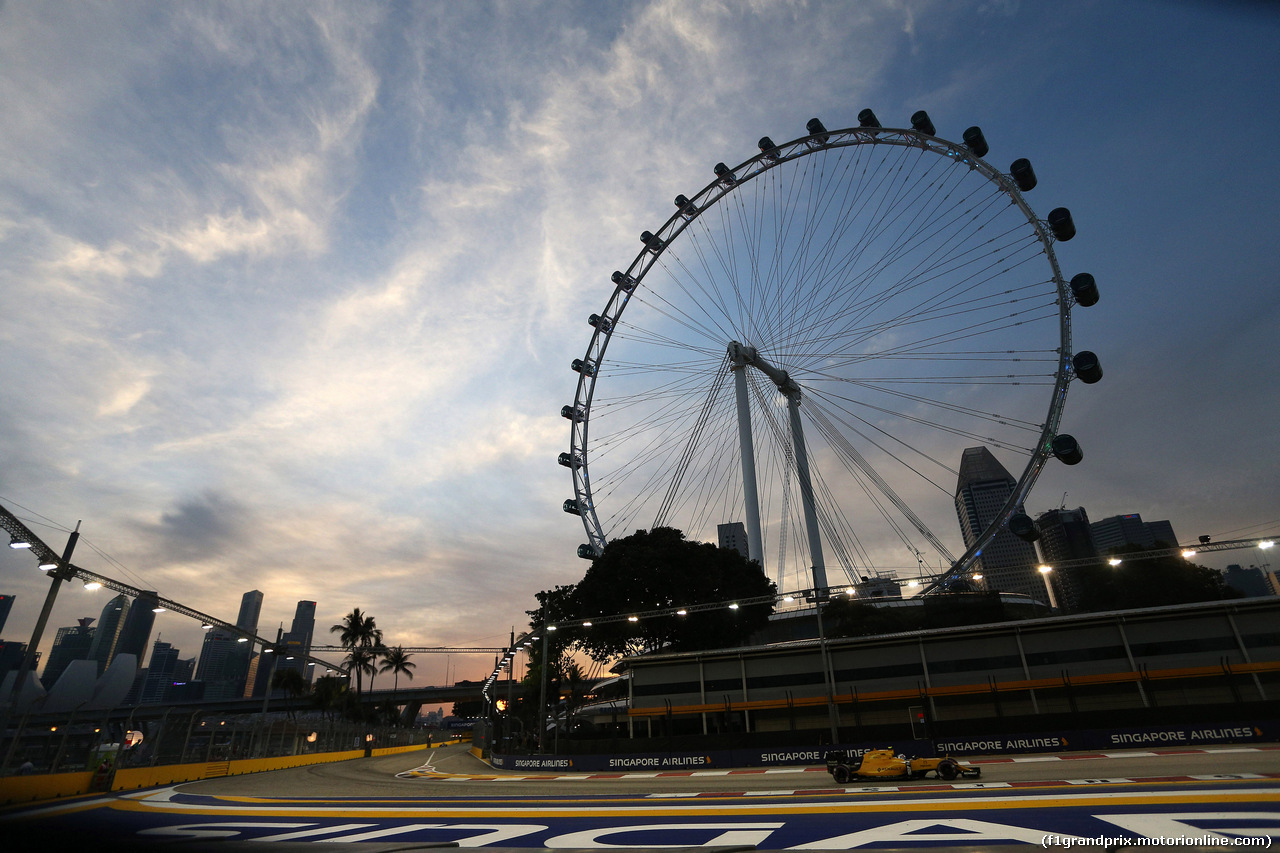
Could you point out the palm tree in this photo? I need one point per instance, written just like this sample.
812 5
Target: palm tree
355 629
358 631
291 682
327 694
360 660
396 660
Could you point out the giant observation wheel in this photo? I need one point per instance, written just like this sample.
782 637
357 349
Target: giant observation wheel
811 341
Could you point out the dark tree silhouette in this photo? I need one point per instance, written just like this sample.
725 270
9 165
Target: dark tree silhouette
656 570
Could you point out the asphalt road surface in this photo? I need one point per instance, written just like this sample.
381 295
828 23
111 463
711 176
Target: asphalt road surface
1220 796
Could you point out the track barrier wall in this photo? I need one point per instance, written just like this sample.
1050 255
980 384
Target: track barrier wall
1181 736
24 789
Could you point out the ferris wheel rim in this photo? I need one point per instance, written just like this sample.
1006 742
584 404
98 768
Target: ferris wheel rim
730 181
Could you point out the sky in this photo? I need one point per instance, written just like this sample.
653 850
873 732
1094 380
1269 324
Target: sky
289 292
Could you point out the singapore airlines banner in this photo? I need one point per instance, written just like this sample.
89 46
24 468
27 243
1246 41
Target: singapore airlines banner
1187 737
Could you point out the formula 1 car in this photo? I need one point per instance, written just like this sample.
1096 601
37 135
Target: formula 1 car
883 764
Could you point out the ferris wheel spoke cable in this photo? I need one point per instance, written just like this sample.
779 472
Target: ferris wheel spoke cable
944 405
940 310
717 387
893 437
943 428
847 450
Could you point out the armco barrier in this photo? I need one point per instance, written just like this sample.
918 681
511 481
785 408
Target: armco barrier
23 789
1263 731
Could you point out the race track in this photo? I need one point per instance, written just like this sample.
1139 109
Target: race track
1225 795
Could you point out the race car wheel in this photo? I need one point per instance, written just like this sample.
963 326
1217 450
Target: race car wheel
842 775
948 769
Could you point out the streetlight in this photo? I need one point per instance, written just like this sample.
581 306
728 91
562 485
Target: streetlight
1048 585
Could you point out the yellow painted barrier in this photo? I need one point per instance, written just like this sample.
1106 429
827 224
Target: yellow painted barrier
24 789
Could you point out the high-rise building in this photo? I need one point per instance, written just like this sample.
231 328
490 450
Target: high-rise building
110 622
297 640
1120 531
160 673
250 610
224 658
734 535
6 604
138 622
70 643
1248 582
11 656
1065 535
1007 563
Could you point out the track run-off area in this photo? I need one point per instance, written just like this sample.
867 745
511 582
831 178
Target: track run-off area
1224 796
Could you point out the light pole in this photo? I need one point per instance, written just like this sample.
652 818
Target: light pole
1048 585
62 571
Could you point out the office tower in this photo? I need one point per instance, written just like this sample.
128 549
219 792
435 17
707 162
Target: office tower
11 656
224 658
1065 535
1007 563
1120 531
734 535
1248 582
138 622
250 610
160 671
109 624
297 640
1162 534
6 604
70 643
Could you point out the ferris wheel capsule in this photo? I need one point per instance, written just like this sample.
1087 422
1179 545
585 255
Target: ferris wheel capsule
920 121
1061 224
1066 449
1086 366
867 118
1084 289
1023 175
976 142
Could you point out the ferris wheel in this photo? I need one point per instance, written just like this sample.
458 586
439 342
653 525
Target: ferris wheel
809 343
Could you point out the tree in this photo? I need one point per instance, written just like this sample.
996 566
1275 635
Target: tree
360 659
329 694
291 682
659 570
358 631
396 660
1149 583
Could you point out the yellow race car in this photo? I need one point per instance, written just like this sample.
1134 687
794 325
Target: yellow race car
884 764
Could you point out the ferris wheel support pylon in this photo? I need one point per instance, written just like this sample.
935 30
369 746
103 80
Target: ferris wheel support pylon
746 448
740 357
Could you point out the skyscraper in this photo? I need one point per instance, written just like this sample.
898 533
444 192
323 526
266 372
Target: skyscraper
6 604
1065 535
1007 563
160 672
298 640
250 610
109 624
1119 531
224 659
138 623
734 535
70 643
